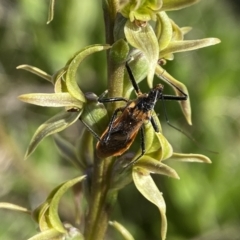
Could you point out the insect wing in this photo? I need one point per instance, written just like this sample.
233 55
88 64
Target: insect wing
120 138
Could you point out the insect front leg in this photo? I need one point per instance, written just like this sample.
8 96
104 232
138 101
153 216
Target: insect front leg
101 99
111 123
154 124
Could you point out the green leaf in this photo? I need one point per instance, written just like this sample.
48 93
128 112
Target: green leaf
170 5
35 71
53 206
14 207
191 157
63 99
156 167
68 151
174 83
85 148
121 229
146 186
55 124
50 234
144 39
72 68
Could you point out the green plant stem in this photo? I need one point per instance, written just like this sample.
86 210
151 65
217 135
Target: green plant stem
101 201
99 207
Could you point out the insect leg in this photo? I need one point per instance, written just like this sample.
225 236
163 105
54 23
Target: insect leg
132 79
90 129
115 99
154 124
111 123
101 98
170 97
173 97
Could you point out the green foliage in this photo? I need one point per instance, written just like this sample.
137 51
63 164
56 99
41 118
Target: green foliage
200 202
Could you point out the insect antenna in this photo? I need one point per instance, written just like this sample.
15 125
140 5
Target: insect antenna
172 84
180 130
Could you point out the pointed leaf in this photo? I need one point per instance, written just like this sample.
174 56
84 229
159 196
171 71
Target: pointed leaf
50 234
53 207
51 100
73 64
14 207
120 228
146 186
85 148
55 124
68 151
174 83
170 5
190 157
144 39
156 167
35 71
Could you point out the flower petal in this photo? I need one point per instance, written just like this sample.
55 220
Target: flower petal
144 39
175 84
156 167
188 45
163 30
51 11
55 197
72 68
191 157
35 71
146 186
170 5
48 234
121 229
51 100
13 207
55 124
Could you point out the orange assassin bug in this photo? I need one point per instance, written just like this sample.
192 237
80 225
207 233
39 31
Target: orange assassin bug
123 128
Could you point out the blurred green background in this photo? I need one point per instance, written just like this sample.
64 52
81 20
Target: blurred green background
205 203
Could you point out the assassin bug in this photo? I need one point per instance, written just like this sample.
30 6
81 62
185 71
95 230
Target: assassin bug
123 128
